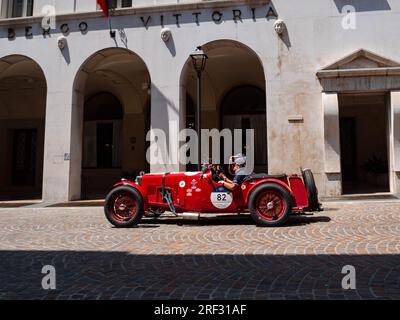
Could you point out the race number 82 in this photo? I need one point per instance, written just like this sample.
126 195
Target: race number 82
221 200
221 196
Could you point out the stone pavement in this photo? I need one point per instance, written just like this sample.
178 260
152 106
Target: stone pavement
227 258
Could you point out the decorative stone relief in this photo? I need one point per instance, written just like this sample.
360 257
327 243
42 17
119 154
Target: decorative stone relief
280 27
165 34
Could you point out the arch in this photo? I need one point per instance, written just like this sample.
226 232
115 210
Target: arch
111 92
19 64
220 43
101 106
22 127
102 63
234 101
232 68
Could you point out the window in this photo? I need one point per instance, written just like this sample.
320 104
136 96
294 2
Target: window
102 132
245 108
120 4
19 8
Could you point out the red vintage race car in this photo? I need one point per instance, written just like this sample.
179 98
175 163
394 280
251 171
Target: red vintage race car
270 199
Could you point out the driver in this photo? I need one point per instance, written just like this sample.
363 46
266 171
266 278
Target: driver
237 163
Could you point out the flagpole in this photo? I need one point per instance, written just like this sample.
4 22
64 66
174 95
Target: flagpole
112 33
105 6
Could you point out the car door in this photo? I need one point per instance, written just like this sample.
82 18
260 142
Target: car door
215 198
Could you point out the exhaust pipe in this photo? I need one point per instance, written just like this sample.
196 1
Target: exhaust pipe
190 216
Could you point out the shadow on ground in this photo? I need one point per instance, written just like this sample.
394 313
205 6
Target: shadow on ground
17 204
120 275
228 220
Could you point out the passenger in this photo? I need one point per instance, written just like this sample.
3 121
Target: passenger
237 164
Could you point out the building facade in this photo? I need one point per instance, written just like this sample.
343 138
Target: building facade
318 80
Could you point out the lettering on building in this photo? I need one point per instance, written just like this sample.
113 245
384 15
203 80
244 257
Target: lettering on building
217 16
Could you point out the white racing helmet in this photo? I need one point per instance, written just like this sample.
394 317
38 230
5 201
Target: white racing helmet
238 159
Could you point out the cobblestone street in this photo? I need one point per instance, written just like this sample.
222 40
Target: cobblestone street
225 258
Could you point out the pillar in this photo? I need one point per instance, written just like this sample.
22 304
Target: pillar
394 141
333 184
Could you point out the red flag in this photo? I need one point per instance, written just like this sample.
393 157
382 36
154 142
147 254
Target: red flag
105 6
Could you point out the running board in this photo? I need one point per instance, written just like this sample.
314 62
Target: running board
197 216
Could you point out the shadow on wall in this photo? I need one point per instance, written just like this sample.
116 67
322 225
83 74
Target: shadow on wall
363 5
105 275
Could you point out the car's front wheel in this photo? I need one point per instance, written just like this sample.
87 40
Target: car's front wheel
270 205
123 207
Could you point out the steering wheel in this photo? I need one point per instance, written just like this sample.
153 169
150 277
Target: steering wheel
216 170
230 170
206 167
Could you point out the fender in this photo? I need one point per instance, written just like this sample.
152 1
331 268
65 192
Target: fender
270 180
131 184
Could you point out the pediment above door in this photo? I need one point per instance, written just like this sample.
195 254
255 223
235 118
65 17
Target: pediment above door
360 71
360 63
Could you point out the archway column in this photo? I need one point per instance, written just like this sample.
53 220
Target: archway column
22 117
394 141
333 183
168 116
63 148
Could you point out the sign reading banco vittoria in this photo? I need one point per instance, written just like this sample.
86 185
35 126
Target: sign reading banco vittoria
216 16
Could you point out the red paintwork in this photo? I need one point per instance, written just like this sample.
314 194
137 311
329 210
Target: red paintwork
201 187
255 183
300 195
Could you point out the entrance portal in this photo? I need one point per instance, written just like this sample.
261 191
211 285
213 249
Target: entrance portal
363 143
233 95
114 94
23 93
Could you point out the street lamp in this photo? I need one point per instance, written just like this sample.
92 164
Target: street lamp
199 60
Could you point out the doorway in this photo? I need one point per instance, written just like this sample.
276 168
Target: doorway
116 103
102 144
233 96
23 94
105 145
24 157
363 143
244 108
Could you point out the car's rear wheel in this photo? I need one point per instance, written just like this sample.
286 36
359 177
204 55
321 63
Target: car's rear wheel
270 205
123 207
309 182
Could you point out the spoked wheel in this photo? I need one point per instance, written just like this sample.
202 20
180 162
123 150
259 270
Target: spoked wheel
270 205
123 207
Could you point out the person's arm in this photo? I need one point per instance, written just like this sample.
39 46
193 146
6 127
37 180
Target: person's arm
224 178
229 184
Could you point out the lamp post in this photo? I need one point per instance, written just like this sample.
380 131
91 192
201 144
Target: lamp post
199 59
